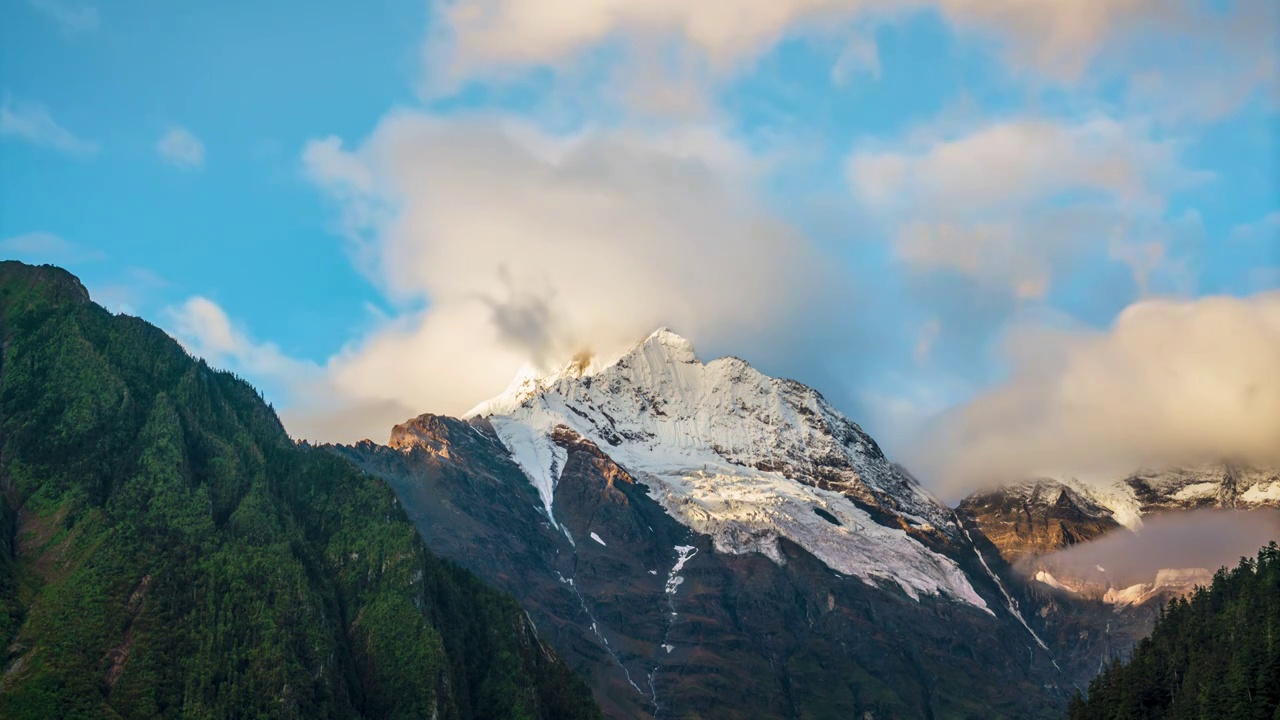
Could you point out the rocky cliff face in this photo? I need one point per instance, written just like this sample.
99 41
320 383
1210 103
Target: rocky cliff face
1034 518
1037 517
1222 485
702 540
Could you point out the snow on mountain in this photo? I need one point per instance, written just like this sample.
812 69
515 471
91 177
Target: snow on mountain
1118 498
1173 488
529 382
740 456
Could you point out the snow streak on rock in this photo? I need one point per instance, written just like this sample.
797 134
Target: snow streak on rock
542 461
684 552
1013 604
596 630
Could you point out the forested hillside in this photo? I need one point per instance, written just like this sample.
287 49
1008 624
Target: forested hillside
1213 655
166 550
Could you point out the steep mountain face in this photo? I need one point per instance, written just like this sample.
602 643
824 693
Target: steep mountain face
700 540
1034 518
1222 485
166 550
745 459
1026 520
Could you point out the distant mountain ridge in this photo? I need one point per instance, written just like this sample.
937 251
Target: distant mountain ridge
1036 517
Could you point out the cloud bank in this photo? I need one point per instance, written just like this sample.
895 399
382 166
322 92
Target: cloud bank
1169 382
1014 203
500 242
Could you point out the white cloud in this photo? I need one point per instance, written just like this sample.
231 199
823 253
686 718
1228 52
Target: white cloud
1016 203
73 19
179 147
32 122
530 247
317 404
1009 163
1169 382
1056 36
1216 58
206 331
43 247
1215 61
925 340
1264 231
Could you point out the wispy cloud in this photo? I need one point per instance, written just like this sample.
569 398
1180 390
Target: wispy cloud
1189 58
205 330
73 19
180 148
127 292
31 122
43 247
1011 203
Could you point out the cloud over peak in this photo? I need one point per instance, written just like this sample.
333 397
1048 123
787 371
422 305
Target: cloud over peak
1015 204
530 247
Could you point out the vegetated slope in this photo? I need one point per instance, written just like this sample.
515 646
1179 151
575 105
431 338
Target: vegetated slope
1213 655
167 551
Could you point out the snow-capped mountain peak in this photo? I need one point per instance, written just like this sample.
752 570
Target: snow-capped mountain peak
665 343
530 381
738 455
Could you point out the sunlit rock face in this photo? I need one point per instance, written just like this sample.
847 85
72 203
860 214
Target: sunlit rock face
1034 518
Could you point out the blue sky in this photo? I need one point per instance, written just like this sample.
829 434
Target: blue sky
374 210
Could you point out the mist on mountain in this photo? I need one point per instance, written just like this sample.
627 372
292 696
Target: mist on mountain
1206 539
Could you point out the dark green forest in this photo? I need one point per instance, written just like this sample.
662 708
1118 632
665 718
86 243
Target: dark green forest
167 551
1212 656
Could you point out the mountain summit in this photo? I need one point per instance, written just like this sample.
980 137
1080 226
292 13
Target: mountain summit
739 456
